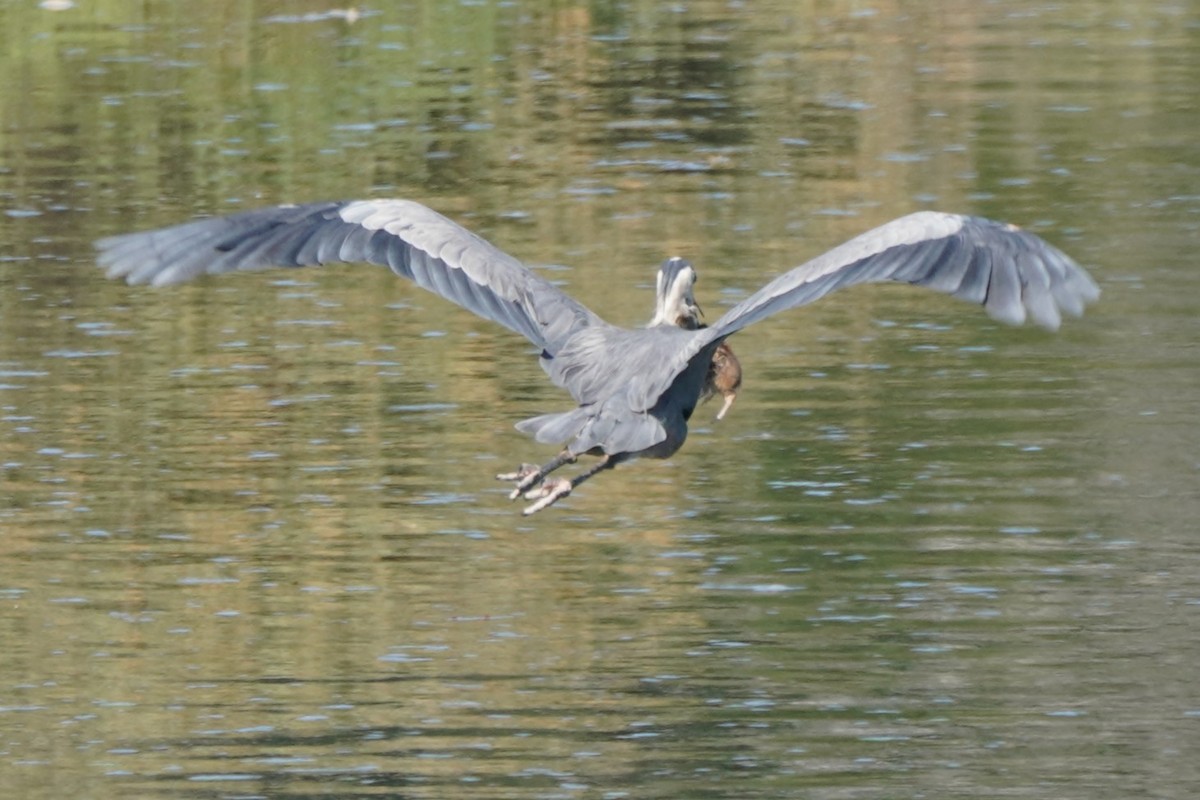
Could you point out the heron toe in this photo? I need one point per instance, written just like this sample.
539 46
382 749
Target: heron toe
527 479
522 472
547 494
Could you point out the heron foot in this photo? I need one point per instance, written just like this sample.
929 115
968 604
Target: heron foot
547 494
526 480
528 476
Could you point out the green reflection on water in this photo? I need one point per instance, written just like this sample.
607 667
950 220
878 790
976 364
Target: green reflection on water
251 542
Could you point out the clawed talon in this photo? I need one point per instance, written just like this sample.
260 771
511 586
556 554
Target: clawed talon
527 481
534 483
558 486
547 494
527 475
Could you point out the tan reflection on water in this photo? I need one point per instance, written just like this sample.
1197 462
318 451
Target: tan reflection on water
251 545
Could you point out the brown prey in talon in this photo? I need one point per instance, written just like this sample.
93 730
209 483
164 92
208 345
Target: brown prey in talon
634 388
724 377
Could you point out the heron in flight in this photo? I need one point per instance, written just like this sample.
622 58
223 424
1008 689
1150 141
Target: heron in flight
635 389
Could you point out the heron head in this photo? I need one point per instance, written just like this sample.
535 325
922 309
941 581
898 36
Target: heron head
674 302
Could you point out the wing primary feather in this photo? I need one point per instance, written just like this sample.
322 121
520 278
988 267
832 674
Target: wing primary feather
282 248
330 244
420 269
448 281
354 245
1071 298
319 233
399 256
249 253
1040 303
976 275
145 259
940 265
376 249
1003 300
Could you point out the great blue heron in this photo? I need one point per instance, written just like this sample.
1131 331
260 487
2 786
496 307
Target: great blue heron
635 388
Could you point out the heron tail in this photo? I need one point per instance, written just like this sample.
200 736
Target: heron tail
610 430
555 428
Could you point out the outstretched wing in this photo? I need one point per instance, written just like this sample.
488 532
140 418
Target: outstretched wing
1013 274
414 241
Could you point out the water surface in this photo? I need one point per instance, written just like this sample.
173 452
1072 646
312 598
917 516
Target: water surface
251 542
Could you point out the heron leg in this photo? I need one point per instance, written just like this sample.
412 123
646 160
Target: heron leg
556 488
528 475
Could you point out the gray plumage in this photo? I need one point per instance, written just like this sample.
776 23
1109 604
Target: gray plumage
414 241
635 389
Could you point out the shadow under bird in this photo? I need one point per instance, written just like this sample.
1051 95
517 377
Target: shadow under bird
636 389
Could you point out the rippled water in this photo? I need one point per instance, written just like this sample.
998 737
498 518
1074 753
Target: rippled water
251 542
